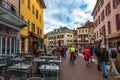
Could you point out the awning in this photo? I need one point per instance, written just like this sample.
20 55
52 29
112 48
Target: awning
11 17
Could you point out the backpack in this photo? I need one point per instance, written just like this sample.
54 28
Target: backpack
113 54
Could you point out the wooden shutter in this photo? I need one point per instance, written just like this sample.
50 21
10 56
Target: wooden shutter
109 27
117 21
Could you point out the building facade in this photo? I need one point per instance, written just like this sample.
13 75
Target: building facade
32 35
106 16
61 36
10 26
85 35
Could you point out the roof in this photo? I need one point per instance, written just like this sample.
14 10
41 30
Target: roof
87 24
60 30
96 6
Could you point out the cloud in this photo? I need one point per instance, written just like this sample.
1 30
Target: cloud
70 13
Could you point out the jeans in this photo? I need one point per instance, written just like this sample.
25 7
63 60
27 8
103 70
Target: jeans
104 63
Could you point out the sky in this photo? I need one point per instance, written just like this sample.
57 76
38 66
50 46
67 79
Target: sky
69 13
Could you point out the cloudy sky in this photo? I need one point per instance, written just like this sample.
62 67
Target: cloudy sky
70 13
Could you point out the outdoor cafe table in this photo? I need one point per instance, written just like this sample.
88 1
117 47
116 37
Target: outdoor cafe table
40 61
49 71
21 68
56 61
49 57
18 60
3 69
29 58
49 68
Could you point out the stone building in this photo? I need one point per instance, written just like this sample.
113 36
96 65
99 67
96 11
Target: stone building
60 36
10 25
106 16
85 34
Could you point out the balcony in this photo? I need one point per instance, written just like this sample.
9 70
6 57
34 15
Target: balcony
10 14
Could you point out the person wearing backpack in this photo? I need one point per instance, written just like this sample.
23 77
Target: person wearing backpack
97 54
86 53
113 57
104 57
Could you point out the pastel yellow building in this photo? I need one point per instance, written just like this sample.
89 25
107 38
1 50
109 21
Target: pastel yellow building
32 35
60 36
85 34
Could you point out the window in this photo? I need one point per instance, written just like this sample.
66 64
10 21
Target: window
79 31
29 25
103 30
3 45
100 32
38 30
36 14
98 8
33 8
22 17
96 23
97 34
40 18
102 16
29 4
102 2
108 9
109 27
62 36
33 27
99 19
117 21
116 3
83 30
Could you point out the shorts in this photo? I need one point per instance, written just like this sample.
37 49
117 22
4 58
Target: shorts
86 59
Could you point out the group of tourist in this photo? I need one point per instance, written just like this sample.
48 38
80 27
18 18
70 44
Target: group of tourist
102 54
103 57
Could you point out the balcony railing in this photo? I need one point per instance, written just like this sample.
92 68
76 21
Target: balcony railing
10 14
10 7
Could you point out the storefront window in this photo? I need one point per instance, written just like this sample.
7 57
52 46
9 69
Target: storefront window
8 45
12 45
3 45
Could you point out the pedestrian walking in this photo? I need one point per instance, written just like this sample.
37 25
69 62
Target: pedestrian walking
97 54
72 54
77 50
113 57
91 52
86 53
64 49
104 57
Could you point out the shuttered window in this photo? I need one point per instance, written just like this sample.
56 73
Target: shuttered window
117 21
109 27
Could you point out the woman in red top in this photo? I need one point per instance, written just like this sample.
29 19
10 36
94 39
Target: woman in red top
86 54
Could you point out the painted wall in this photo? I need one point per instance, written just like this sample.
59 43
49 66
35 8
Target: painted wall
29 16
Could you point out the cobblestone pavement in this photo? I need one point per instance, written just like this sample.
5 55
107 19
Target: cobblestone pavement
79 71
